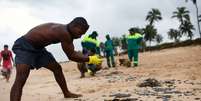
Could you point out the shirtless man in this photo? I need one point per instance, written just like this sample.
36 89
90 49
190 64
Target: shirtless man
31 53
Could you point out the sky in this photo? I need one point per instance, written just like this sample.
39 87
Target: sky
113 17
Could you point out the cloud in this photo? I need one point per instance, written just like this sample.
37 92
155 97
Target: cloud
17 17
112 17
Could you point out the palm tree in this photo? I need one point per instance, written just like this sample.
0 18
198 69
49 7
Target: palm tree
136 29
196 6
187 28
150 32
153 15
159 38
181 14
116 41
143 45
174 34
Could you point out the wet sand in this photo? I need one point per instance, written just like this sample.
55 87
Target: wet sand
178 70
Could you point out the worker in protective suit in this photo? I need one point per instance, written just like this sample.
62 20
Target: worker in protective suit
91 43
90 46
109 49
133 39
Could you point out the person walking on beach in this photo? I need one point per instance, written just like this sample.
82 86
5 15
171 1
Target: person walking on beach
7 57
133 40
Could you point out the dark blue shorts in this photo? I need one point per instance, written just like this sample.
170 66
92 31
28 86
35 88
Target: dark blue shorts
27 54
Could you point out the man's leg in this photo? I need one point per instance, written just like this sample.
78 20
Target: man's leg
8 75
59 76
82 69
108 59
130 55
93 68
135 57
22 73
4 73
112 59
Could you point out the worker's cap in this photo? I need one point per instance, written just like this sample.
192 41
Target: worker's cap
94 33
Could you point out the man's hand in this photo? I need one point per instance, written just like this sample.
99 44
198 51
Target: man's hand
95 60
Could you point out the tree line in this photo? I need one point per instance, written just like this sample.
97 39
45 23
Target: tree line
150 31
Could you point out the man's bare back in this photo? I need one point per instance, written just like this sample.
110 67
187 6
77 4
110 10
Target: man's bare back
46 34
51 33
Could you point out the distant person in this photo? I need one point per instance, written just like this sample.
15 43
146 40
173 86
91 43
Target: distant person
31 53
102 49
6 56
133 41
109 50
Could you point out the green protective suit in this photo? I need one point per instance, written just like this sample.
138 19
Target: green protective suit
91 44
133 46
109 47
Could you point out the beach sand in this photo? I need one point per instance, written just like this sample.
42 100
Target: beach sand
178 70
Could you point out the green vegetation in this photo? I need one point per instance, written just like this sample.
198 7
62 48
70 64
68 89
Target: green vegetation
150 33
174 34
173 45
159 38
153 15
185 27
197 15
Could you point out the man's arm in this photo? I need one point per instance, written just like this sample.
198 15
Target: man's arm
0 58
11 55
68 48
113 46
139 40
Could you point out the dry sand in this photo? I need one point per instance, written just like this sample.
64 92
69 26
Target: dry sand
177 69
